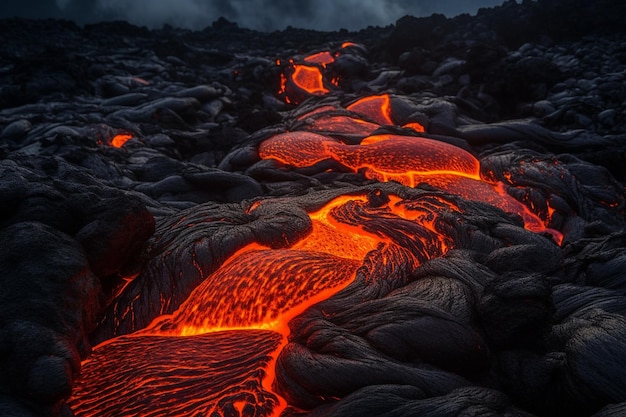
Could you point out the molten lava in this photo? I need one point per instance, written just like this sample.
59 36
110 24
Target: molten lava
377 108
343 125
405 159
301 81
322 58
292 278
415 126
211 374
215 355
120 139
383 157
309 79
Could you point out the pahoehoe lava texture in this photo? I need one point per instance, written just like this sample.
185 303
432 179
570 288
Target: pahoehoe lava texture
215 371
177 236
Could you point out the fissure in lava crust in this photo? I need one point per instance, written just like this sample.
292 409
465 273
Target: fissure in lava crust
198 232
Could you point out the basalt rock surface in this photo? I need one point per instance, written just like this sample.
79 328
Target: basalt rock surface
434 226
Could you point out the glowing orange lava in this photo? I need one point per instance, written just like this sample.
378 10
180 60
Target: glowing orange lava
292 277
343 125
120 139
383 157
298 82
415 126
404 159
213 374
323 58
216 354
348 44
248 301
309 79
377 108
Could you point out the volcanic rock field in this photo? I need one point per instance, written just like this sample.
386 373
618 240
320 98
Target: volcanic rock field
423 219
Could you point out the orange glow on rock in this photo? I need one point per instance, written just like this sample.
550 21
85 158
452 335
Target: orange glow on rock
273 285
317 111
309 79
120 139
298 82
377 108
415 126
283 84
299 149
343 125
322 58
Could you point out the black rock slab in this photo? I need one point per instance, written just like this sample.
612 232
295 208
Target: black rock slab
49 304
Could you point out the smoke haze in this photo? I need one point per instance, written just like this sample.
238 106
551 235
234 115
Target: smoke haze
263 15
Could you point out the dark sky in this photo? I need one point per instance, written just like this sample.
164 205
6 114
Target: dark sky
265 15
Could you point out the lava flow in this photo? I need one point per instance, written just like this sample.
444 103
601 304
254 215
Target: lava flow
215 355
300 82
406 159
120 139
378 109
322 58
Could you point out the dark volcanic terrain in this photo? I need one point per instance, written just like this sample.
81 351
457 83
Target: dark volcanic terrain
425 219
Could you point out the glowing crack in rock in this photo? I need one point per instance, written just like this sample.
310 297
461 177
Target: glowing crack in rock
120 139
343 125
216 354
300 81
378 108
308 77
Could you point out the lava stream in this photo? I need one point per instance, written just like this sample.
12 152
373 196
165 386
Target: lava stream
248 301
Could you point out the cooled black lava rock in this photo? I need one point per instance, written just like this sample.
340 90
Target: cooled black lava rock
65 238
42 344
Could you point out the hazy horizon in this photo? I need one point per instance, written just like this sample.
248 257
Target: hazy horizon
262 15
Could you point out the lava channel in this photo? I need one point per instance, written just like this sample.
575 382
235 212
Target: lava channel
216 354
